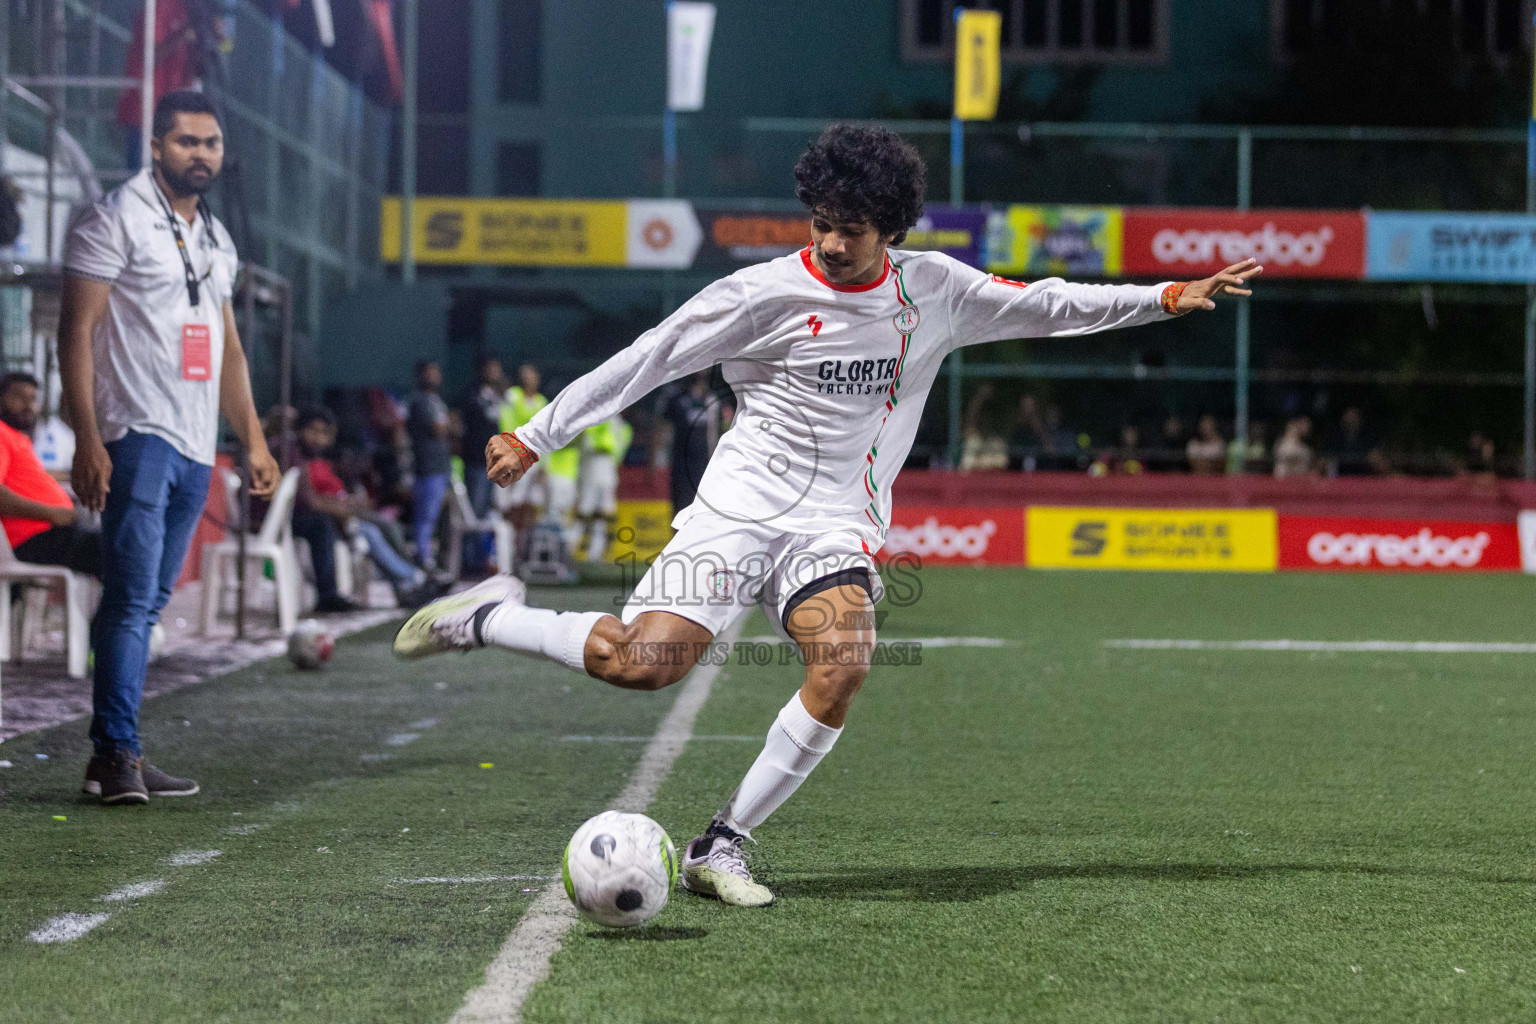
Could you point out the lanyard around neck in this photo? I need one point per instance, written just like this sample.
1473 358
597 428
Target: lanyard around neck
193 282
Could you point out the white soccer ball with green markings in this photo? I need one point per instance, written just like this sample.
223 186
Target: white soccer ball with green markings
619 869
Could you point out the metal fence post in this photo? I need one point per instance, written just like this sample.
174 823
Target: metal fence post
1244 201
408 146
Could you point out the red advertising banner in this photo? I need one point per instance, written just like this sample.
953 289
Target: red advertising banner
1167 242
955 535
1396 545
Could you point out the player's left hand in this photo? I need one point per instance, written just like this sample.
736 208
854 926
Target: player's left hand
1232 281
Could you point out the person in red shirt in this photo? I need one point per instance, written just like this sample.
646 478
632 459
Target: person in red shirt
325 508
41 523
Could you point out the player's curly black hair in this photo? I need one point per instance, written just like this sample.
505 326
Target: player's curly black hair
863 173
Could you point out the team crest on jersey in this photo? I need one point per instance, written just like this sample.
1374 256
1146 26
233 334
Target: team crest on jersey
906 320
722 582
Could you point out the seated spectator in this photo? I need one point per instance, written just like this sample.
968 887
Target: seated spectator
1480 456
1060 448
1355 452
1125 458
982 448
41 523
1169 455
1293 456
1249 456
325 510
1026 438
1206 451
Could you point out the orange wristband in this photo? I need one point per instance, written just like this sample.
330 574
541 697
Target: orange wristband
1171 297
529 456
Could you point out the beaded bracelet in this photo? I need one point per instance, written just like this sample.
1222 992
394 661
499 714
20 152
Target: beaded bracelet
528 455
1171 297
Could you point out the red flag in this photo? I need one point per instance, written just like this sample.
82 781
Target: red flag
381 13
176 63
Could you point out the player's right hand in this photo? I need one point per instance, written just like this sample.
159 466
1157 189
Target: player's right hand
91 475
503 463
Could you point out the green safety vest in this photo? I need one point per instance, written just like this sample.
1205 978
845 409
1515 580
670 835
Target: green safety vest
519 409
610 437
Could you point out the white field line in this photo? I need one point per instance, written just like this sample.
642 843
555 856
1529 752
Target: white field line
926 641
425 723
400 739
474 879
67 927
191 858
523 961
245 830
134 891
1339 646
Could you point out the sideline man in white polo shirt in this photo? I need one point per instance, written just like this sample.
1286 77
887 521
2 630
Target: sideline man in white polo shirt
150 356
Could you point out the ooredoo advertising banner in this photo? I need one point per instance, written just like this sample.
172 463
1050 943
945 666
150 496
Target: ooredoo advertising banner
1396 545
1168 242
1203 539
953 535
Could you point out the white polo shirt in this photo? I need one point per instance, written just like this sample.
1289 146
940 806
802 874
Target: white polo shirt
157 357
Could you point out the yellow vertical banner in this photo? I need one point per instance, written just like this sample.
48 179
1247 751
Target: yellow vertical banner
978 63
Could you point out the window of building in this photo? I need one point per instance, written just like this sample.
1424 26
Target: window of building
519 168
1490 27
1047 31
519 46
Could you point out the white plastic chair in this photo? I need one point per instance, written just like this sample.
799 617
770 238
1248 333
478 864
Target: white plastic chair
80 593
463 521
273 543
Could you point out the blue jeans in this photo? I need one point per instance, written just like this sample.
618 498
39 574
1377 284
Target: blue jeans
428 502
386 557
156 498
478 546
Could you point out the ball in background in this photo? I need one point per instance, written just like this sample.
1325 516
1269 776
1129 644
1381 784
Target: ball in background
310 645
619 869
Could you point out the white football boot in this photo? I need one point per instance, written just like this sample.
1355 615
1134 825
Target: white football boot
713 865
453 623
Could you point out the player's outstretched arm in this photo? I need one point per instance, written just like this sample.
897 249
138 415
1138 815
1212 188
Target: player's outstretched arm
1232 281
989 308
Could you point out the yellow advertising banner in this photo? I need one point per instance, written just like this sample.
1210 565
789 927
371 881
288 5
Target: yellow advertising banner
509 232
641 529
1196 539
978 63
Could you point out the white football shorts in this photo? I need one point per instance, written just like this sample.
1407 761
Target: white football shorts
716 569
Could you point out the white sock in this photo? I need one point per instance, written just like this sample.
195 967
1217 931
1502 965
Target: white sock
796 744
559 636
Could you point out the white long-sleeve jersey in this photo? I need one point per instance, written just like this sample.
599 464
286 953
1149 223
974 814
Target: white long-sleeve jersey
830 380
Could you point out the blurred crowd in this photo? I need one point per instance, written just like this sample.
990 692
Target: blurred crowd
1037 439
405 473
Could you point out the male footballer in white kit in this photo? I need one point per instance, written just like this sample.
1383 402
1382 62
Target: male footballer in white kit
831 353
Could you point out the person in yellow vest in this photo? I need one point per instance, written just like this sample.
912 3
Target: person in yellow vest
560 469
602 450
520 502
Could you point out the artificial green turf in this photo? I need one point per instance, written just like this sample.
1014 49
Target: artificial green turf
1063 832
1053 831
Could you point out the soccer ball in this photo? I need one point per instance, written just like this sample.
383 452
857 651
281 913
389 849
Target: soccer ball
310 645
619 869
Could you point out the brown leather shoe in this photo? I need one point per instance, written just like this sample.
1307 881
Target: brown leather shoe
160 784
121 779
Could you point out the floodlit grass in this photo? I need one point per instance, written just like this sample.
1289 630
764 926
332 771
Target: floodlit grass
1053 831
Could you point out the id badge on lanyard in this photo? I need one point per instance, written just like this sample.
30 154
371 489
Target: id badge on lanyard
196 339
196 352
